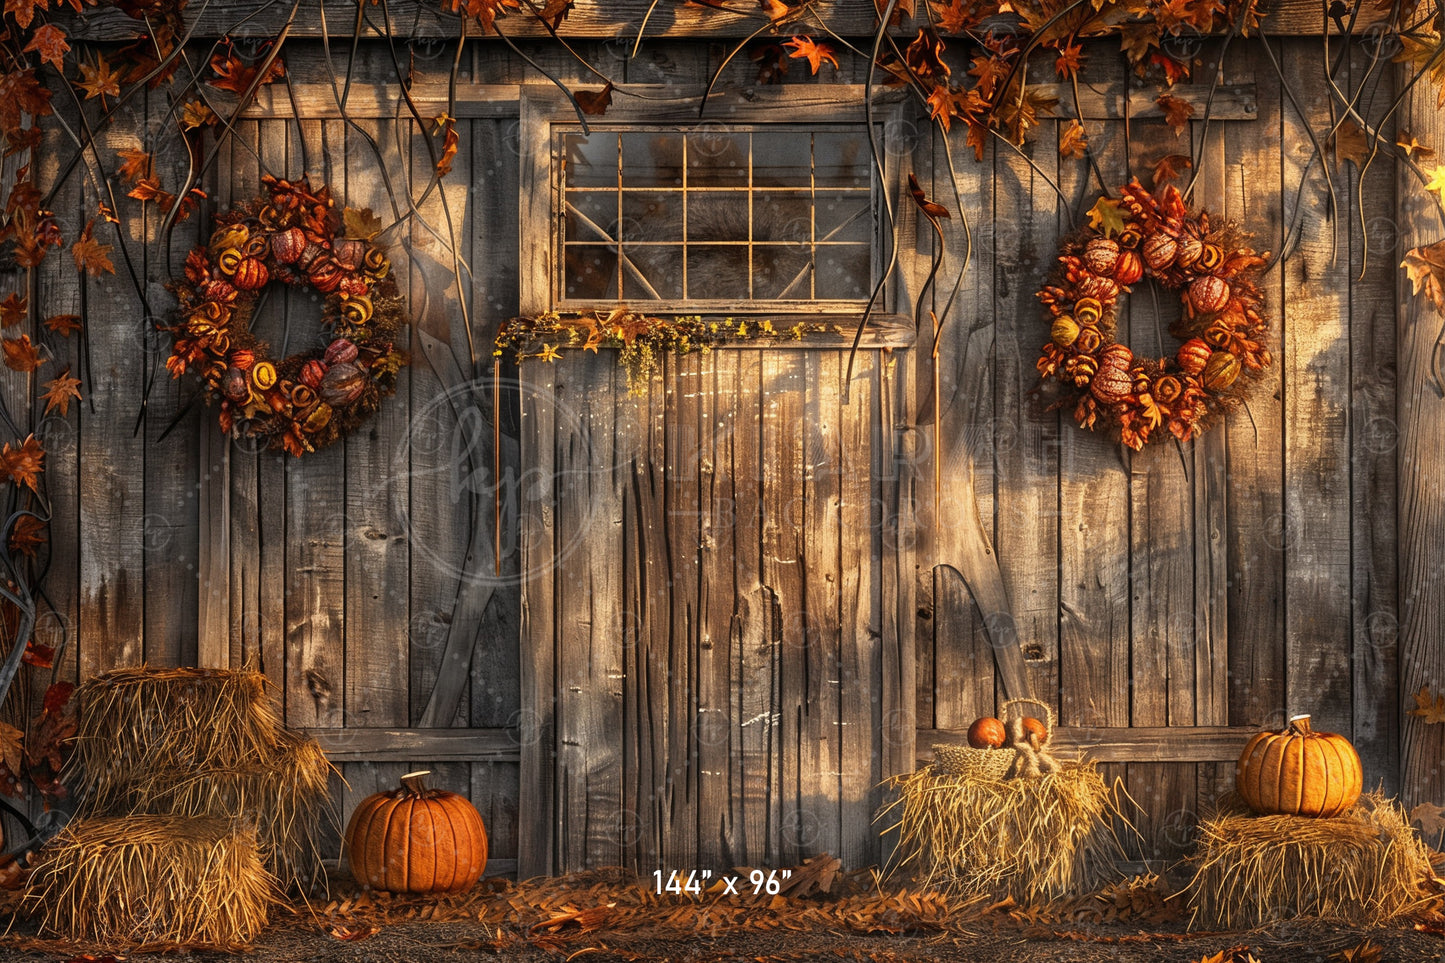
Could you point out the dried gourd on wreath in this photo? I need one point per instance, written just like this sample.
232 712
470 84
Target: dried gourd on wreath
1299 772
1223 328
416 840
292 234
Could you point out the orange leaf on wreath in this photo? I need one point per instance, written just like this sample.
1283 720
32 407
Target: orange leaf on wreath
50 43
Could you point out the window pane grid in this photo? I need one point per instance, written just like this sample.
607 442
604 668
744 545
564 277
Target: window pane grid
672 226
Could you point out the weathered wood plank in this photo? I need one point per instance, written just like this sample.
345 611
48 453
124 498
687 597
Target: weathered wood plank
620 19
589 624
1374 606
1315 365
782 395
1253 433
963 652
1420 537
1018 240
1123 744
111 455
719 603
1094 502
362 744
378 490
819 762
173 466
536 802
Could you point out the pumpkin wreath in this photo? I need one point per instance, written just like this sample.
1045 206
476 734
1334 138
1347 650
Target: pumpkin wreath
308 400
1223 327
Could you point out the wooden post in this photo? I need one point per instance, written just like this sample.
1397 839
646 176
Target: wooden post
1421 507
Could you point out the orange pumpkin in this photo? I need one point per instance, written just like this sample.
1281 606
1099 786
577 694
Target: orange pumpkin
416 840
986 733
1033 727
1299 772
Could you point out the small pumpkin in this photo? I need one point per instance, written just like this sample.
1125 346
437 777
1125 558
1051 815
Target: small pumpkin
1209 294
1095 286
1129 268
340 351
1033 727
1299 772
1101 255
1064 331
1111 384
1221 371
349 253
1193 355
312 372
1159 250
416 840
251 274
343 384
325 275
287 245
986 733
1190 247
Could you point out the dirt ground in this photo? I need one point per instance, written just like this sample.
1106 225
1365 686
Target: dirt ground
611 915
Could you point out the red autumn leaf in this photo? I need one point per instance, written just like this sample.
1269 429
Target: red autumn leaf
63 324
235 76
21 355
149 189
90 255
352 932
12 310
21 93
1170 166
40 656
806 48
23 464
928 207
27 535
59 391
594 103
135 164
1176 112
98 80
49 41
1070 60
57 696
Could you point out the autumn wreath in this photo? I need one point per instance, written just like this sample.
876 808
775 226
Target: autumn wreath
293 233
1222 327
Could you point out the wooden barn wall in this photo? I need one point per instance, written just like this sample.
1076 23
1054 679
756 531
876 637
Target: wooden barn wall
720 666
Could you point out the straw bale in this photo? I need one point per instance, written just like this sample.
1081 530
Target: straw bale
136 719
1363 868
1035 839
136 880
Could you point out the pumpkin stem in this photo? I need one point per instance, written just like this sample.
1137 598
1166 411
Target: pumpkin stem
1300 725
413 783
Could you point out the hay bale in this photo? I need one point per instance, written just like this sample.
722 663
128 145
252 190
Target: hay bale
1035 839
1363 868
153 880
132 720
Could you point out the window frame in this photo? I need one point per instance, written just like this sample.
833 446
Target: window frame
545 112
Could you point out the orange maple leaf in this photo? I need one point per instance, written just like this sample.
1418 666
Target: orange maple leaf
135 164
90 255
63 324
1425 267
98 80
12 310
59 391
49 41
24 10
448 125
1073 142
806 48
20 354
1170 166
1176 112
235 76
23 465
